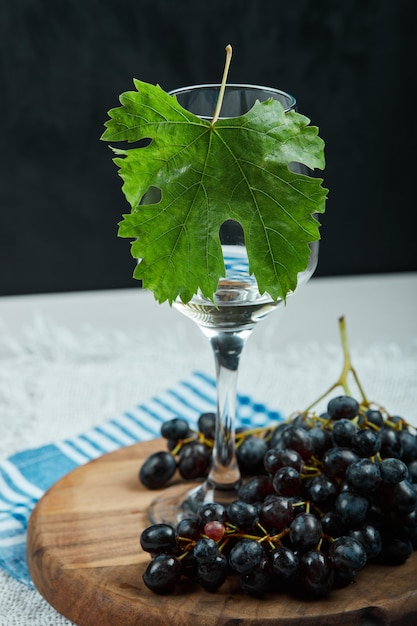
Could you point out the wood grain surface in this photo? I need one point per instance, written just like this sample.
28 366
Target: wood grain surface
85 559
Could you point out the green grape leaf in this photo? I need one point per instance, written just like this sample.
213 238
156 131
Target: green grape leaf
238 168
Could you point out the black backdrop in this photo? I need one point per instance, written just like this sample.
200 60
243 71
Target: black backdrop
351 65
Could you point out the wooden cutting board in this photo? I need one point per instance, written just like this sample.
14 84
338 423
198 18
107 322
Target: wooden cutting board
85 559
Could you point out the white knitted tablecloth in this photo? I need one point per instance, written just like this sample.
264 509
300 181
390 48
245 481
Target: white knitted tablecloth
55 384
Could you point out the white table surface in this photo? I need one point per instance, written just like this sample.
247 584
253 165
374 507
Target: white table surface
72 360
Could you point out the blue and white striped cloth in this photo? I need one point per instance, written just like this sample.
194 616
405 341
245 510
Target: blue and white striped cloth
25 476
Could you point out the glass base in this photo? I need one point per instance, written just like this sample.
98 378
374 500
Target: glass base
183 501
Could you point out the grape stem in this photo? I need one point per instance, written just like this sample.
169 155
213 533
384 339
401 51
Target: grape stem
347 369
223 85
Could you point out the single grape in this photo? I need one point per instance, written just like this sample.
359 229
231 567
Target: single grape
176 428
399 497
245 555
189 528
347 553
276 513
305 531
162 573
336 461
212 574
284 562
374 416
393 470
364 476
242 514
316 573
322 490
215 530
342 407
287 482
194 460
157 470
351 509
275 441
343 431
409 445
256 489
207 424
391 445
322 440
275 459
370 538
298 439
250 454
206 550
159 538
366 442
258 581
211 511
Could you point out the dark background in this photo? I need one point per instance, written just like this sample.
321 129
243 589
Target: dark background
351 65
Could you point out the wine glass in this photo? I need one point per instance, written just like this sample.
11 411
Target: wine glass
227 321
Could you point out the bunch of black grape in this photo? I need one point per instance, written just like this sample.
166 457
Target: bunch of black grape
335 491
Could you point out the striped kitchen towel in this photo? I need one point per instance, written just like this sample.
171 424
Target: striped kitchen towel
25 476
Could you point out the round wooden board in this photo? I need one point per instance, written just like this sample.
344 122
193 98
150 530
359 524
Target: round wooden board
85 559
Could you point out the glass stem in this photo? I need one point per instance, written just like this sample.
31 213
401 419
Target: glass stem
227 348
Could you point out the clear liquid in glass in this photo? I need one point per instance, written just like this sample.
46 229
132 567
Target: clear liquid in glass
237 304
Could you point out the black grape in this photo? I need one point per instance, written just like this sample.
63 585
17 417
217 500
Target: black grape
316 573
342 407
176 428
305 531
157 470
245 556
159 538
162 573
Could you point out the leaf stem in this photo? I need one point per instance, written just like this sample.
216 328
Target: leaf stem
223 85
